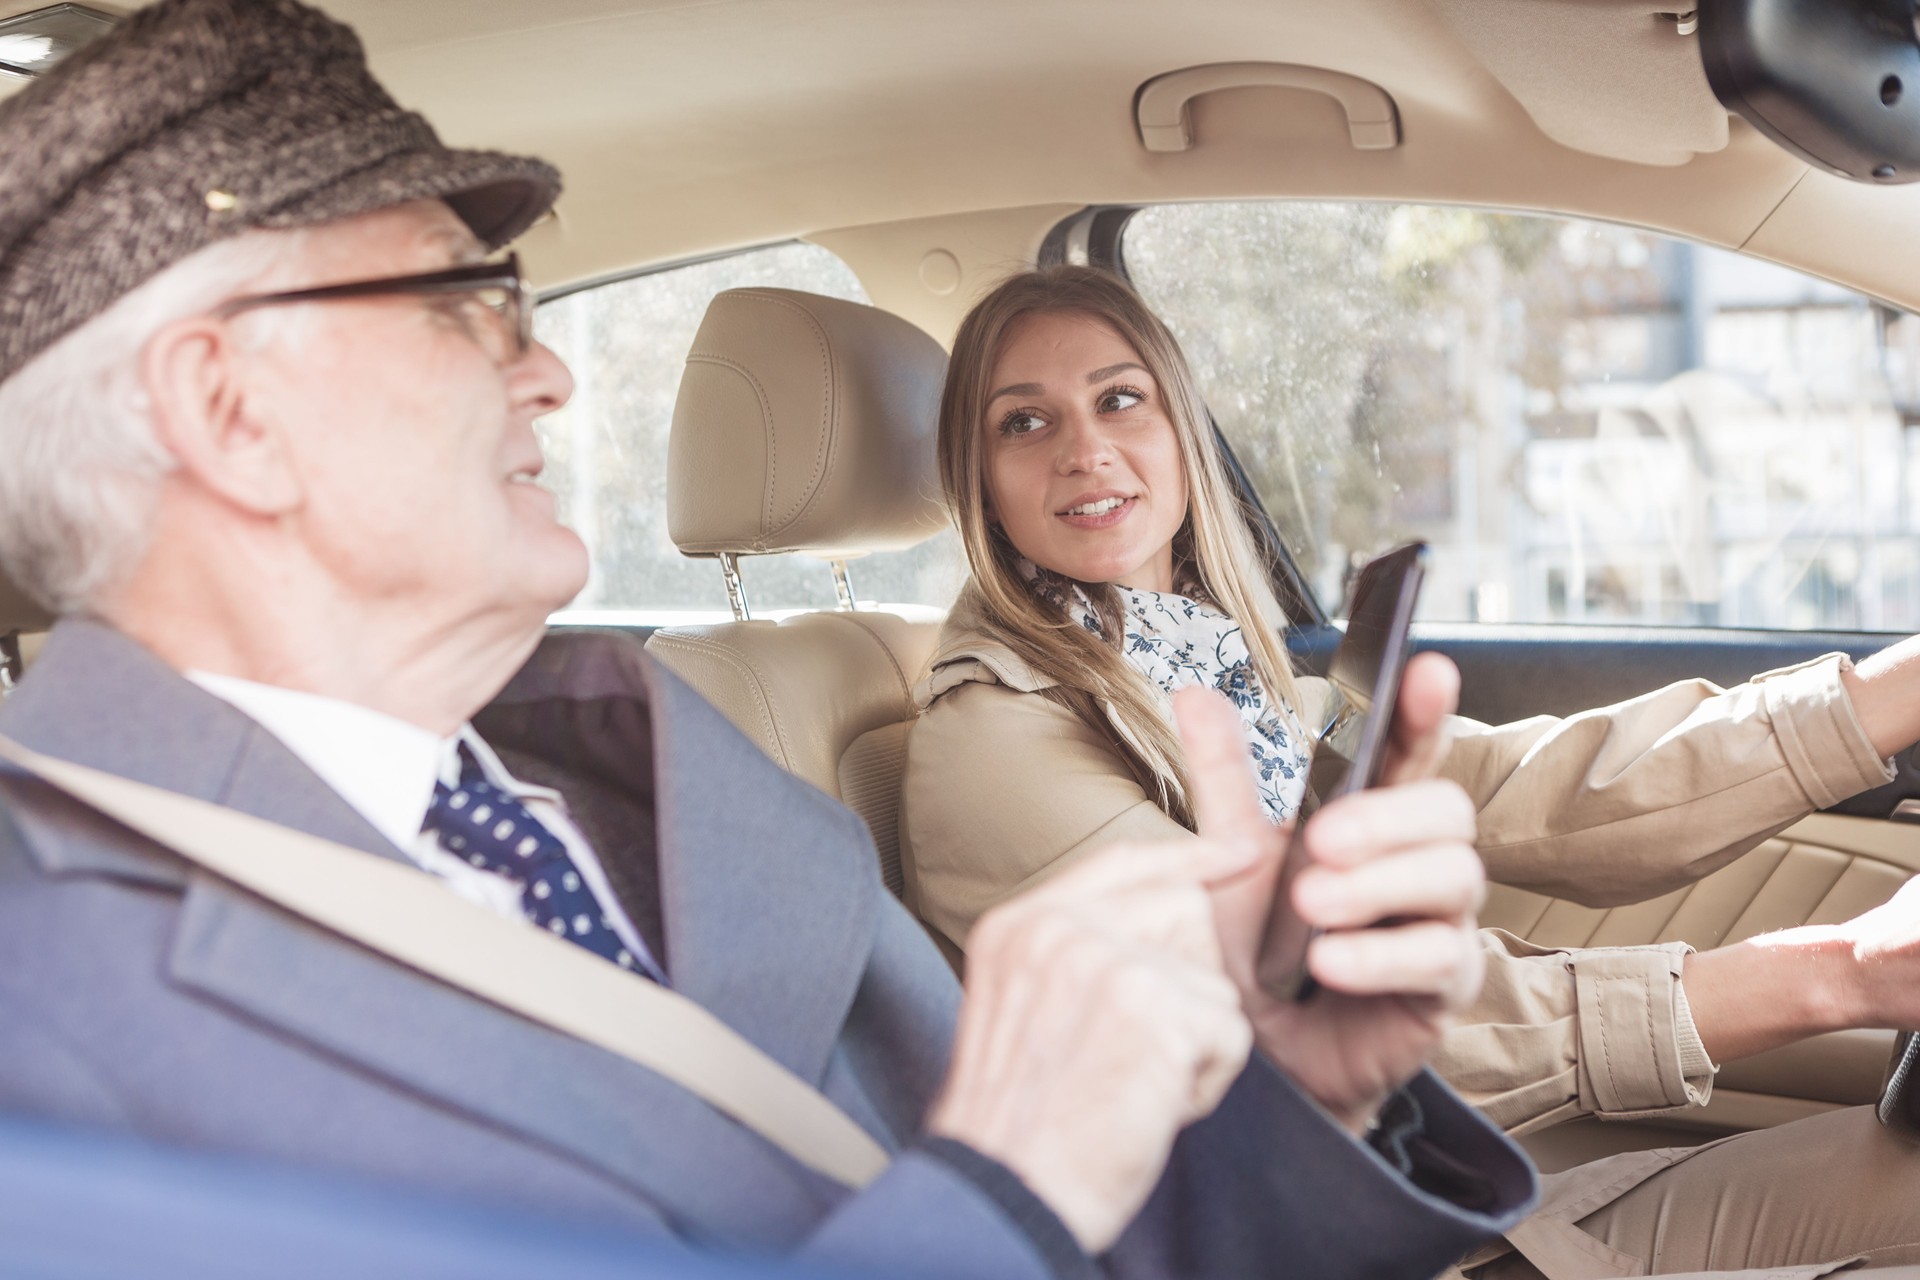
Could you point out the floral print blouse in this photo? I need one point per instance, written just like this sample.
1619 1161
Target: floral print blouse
1174 642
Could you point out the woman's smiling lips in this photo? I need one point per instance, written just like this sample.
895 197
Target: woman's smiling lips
1098 510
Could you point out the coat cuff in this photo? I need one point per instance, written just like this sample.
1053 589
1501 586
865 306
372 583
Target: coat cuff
1819 732
1640 1053
1697 1069
925 1217
1033 1216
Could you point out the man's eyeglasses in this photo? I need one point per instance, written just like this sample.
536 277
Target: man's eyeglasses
496 286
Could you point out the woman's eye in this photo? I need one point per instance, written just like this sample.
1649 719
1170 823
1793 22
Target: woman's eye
1120 398
1019 423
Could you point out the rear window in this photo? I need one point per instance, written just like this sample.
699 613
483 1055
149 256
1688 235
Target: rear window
626 343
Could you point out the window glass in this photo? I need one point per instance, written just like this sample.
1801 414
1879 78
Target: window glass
1590 423
626 343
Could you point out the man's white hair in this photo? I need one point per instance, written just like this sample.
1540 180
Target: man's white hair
80 468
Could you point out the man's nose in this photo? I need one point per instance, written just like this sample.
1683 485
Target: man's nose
540 380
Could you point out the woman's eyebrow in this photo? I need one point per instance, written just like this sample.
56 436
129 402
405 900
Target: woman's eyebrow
1034 388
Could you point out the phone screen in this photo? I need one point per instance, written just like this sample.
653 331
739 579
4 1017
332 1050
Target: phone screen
1351 751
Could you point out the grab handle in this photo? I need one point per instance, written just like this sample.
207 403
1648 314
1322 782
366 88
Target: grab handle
1160 108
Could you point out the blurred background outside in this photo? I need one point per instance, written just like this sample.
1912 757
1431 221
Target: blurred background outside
1590 423
626 343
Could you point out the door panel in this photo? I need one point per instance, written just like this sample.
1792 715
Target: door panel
1810 874
1820 871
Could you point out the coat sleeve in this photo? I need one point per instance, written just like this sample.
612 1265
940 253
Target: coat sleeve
1558 1034
1613 805
1617 805
1624 803
1269 1185
927 1217
1003 789
1268 1180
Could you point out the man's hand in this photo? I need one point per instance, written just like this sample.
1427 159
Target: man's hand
1097 1023
1401 854
1110 1007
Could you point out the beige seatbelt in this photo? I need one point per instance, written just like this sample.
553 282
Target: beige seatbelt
406 914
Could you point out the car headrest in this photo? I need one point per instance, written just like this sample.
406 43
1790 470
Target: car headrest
804 424
18 612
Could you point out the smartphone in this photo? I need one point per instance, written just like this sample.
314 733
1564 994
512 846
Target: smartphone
1352 747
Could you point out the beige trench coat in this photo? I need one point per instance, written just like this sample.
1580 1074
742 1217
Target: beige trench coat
1610 806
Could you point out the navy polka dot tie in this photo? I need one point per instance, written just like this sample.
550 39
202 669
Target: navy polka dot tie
486 826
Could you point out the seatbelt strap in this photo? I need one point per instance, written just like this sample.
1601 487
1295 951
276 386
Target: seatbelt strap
406 914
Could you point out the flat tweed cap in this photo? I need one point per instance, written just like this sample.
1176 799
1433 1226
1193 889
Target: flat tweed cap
198 119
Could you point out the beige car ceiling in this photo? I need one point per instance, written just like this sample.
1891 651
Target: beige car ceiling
932 143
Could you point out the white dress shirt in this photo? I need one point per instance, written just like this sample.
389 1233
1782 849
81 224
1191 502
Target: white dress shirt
386 769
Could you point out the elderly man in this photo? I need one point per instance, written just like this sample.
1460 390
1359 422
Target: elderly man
267 418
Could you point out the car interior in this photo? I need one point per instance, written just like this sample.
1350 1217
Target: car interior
931 148
806 424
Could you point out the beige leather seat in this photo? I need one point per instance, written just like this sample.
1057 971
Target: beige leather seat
22 623
806 424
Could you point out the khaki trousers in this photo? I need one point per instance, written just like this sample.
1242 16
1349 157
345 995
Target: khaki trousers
1834 1192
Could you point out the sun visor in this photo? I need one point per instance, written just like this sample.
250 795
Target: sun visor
1614 78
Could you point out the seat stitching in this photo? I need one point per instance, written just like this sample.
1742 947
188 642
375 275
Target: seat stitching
766 705
1679 902
1738 909
906 688
824 446
766 429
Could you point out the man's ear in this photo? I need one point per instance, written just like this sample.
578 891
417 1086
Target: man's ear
225 439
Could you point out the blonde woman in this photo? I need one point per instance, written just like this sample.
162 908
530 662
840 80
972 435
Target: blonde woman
1112 564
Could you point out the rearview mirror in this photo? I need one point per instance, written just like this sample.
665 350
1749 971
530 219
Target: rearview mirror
1836 82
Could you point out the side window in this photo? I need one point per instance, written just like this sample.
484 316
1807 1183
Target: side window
626 343
1590 423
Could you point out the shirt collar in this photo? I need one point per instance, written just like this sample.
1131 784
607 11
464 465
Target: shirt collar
491 766
384 767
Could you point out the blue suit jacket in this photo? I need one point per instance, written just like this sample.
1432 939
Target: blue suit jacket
137 994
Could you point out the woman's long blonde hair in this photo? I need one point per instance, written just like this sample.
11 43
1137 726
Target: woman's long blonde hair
1215 556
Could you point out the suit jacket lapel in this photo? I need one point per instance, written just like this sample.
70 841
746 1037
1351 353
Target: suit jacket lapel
768 885
98 698
515 1076
777 955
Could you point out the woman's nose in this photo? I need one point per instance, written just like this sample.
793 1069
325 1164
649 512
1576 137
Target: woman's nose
1083 445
